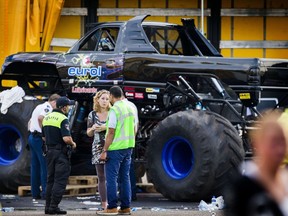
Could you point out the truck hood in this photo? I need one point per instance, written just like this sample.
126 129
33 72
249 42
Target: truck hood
276 73
45 57
232 71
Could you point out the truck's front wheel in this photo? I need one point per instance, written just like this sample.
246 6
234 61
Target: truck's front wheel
14 157
190 155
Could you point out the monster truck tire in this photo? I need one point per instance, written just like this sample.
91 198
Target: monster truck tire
14 157
192 154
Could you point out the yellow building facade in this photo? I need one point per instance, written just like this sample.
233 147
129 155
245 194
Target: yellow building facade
247 28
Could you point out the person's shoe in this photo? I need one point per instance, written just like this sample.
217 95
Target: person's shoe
46 211
56 211
125 211
112 211
36 198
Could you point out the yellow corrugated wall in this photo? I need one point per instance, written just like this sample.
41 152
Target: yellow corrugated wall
150 4
232 28
251 28
69 26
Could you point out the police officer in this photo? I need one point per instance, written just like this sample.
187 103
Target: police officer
38 162
58 139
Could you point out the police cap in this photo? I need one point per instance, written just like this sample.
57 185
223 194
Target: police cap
64 101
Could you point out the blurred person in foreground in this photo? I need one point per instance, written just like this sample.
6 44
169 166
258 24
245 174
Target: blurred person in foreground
284 122
263 188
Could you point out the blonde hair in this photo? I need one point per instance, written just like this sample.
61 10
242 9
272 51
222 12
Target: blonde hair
96 105
269 120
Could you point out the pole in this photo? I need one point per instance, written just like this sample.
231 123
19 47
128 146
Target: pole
202 17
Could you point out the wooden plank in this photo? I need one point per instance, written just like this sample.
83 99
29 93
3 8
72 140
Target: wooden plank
147 187
174 12
80 190
254 44
74 12
71 190
152 11
83 180
63 42
23 190
254 12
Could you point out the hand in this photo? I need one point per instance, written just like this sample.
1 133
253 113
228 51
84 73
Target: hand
100 128
94 127
103 156
74 145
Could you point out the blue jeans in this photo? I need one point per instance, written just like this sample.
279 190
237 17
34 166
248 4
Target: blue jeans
118 165
38 166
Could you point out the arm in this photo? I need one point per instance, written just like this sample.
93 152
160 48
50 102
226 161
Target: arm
90 129
112 122
69 141
28 126
109 139
66 135
40 120
108 142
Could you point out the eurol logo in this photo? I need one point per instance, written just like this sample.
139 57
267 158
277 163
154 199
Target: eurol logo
83 71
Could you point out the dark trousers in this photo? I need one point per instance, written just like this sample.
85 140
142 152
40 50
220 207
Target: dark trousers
58 166
38 166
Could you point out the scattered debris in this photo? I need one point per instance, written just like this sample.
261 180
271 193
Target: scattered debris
217 204
157 209
88 202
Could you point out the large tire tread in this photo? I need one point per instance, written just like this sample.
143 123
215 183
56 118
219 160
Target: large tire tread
219 150
18 173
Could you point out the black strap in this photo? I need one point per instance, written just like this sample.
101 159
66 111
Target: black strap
93 117
57 147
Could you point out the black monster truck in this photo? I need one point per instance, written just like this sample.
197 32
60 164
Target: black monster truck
195 107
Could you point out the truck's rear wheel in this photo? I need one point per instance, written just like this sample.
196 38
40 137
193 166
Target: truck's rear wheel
190 155
14 157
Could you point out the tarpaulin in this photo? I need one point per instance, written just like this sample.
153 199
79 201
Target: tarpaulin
27 25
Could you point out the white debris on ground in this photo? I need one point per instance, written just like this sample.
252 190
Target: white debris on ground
217 205
87 197
90 203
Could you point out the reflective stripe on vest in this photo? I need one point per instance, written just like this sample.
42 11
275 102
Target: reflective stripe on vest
124 132
53 119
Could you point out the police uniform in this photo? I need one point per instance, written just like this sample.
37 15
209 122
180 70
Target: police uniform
38 162
55 127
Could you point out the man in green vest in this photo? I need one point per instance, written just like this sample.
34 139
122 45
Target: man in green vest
120 140
57 137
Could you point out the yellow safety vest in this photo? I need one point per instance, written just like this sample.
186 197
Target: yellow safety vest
54 119
124 132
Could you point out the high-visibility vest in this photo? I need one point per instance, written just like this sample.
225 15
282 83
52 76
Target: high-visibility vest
54 119
124 137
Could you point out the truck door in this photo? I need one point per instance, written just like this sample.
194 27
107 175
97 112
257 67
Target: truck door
93 60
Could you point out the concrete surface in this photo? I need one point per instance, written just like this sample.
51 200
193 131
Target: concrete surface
146 204
140 212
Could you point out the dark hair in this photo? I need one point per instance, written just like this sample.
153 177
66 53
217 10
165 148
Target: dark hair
116 92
